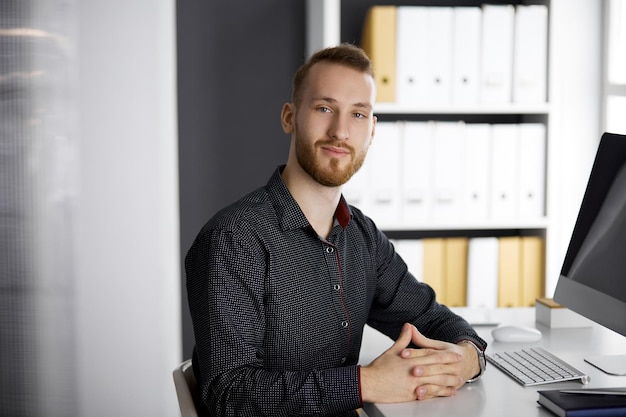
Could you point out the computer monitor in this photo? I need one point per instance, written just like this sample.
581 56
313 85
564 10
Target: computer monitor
593 277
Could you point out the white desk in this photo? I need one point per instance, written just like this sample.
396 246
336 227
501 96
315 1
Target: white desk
496 394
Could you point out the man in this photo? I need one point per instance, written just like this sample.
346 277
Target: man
282 282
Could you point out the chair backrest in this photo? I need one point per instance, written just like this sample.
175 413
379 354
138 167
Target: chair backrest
185 383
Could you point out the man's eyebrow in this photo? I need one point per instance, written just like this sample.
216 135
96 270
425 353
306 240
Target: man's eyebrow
327 99
363 105
324 98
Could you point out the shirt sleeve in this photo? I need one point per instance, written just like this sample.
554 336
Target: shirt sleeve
400 298
225 283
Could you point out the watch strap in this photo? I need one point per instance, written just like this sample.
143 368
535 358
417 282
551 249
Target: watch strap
482 361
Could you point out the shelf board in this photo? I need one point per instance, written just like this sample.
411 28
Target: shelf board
503 224
396 108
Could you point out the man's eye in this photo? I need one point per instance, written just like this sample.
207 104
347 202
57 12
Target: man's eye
324 109
359 115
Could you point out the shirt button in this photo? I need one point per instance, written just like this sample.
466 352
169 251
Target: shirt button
344 324
343 360
329 249
336 287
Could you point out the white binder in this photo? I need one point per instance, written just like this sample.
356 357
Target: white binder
530 62
417 178
504 171
532 178
482 273
411 40
384 175
436 58
447 171
466 55
497 53
412 253
476 171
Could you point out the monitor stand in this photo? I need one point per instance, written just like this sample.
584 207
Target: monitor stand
610 364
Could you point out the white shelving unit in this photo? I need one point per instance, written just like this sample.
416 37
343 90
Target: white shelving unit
394 108
324 29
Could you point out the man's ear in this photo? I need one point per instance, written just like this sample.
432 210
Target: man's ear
287 115
375 119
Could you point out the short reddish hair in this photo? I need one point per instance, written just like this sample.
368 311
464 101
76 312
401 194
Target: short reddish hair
344 54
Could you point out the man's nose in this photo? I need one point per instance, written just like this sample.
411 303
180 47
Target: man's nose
339 128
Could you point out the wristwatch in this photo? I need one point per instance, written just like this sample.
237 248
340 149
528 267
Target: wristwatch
482 361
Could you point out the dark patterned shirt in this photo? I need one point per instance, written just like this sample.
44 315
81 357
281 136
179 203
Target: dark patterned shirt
278 311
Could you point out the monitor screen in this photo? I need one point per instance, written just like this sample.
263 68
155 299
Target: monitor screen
593 277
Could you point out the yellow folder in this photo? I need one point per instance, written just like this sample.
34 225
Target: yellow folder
434 266
509 271
456 271
379 42
532 274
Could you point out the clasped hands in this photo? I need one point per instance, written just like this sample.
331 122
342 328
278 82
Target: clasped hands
401 373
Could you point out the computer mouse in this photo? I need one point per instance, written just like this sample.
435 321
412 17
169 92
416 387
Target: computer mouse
512 334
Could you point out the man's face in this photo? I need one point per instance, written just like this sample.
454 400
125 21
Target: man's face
334 123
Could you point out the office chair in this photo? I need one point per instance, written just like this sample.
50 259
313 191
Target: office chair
185 383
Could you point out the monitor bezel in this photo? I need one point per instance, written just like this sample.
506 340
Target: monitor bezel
601 307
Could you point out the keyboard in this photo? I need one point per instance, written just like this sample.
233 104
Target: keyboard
535 366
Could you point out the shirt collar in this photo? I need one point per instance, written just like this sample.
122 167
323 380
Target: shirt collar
290 216
343 214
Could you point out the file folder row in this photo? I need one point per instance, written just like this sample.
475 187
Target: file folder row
493 54
478 272
451 173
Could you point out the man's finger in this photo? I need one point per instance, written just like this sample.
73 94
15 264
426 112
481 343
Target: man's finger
404 339
422 341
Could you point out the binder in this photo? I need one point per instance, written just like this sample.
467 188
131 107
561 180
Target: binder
447 171
416 179
530 61
434 266
509 271
504 171
532 269
466 55
497 53
412 253
436 57
456 271
532 165
379 42
411 44
482 273
384 174
475 177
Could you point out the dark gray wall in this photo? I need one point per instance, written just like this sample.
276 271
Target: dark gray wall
235 62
